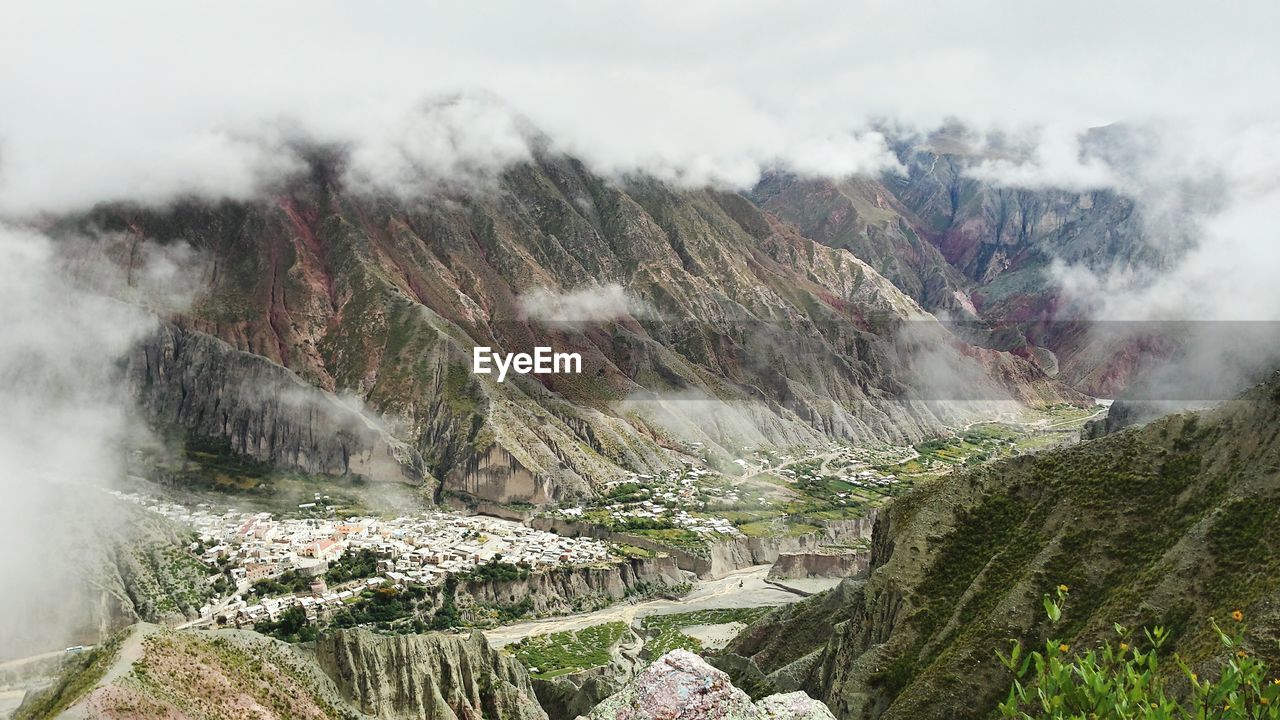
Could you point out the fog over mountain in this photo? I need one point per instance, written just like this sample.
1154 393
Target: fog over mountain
147 101
260 240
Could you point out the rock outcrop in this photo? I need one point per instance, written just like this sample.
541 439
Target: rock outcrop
570 696
570 589
434 676
829 564
200 385
682 686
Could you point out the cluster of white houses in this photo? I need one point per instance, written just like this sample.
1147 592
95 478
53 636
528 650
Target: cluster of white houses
669 496
421 548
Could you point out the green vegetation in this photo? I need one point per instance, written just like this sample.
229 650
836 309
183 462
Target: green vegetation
628 492
495 571
213 465
287 583
1129 678
561 653
1151 527
351 566
291 626
678 538
625 550
1108 487
167 579
664 631
210 464
81 675
389 608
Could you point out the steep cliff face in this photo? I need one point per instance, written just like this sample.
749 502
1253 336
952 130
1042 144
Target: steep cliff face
575 588
197 383
986 230
433 676
1162 525
727 556
730 327
819 565
980 250
1003 240
866 218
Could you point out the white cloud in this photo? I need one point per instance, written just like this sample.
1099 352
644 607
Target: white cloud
1056 161
591 304
146 100
143 99
464 139
64 420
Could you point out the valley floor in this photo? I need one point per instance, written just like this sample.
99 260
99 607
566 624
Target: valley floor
746 588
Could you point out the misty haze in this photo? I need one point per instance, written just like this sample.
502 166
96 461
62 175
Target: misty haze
566 360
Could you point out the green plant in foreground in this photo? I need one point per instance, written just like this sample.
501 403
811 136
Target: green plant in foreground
1119 680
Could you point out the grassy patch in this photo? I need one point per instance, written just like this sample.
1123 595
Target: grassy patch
561 653
665 631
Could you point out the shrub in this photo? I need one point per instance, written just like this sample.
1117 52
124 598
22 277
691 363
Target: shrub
1119 679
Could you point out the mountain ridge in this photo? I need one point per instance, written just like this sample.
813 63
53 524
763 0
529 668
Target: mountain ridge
382 298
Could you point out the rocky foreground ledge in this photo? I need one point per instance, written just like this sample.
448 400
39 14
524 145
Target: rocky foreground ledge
155 673
682 686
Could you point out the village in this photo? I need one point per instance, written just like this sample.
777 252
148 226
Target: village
768 484
770 492
421 549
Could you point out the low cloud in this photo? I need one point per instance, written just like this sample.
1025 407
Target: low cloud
586 305
461 141
722 427
1056 160
65 422
1207 195
126 102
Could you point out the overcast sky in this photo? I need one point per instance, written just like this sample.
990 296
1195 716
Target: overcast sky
145 99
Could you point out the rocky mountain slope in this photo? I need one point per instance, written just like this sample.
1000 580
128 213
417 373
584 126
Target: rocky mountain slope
710 321
863 216
1166 524
152 672
199 386
981 251
432 676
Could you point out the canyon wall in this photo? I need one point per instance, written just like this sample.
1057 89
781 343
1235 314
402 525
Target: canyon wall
196 383
434 676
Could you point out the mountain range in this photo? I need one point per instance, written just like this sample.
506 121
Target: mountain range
800 311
